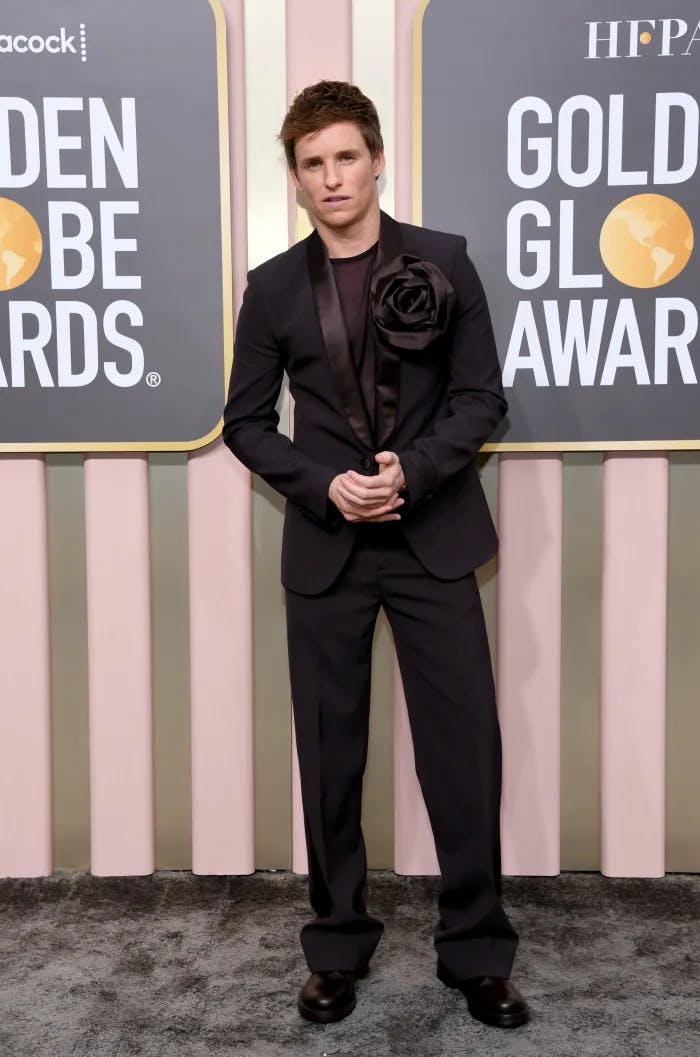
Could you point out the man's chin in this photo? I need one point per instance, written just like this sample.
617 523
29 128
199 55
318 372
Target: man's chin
339 218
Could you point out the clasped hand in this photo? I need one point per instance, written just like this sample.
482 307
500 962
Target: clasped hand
365 497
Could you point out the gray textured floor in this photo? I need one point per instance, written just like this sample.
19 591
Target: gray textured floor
177 964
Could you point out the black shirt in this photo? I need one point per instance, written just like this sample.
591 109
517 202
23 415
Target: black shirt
352 279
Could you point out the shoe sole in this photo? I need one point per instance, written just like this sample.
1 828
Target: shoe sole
329 1016
326 1016
497 1020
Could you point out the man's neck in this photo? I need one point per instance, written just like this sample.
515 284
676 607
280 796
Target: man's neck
353 239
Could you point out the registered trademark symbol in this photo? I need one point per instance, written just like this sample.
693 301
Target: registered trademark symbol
153 378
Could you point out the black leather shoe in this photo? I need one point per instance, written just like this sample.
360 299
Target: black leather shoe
491 999
330 994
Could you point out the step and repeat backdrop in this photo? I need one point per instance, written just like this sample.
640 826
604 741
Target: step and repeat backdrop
145 713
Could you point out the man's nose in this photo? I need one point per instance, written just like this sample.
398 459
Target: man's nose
332 177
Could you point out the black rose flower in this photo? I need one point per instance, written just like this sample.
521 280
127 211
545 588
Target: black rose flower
411 302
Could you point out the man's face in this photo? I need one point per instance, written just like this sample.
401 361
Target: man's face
337 173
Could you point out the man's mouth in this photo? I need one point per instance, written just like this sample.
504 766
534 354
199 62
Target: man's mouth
337 198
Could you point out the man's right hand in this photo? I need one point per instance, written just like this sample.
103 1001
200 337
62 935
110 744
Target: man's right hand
353 511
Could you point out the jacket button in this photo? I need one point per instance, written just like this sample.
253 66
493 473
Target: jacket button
366 463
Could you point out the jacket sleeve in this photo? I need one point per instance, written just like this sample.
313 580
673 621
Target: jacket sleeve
250 419
476 402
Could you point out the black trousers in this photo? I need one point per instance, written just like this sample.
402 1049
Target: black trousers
443 654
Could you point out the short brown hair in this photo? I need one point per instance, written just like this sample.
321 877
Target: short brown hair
324 103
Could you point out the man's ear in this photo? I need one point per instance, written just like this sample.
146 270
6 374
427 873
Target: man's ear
293 174
378 163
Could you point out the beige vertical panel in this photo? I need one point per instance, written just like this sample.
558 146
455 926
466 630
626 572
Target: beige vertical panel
580 716
683 713
171 668
378 786
265 88
267 220
372 69
272 717
373 47
69 681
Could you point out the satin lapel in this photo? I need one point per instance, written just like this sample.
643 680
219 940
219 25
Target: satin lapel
336 339
387 359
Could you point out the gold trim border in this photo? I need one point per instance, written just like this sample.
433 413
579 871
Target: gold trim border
417 212
226 277
593 445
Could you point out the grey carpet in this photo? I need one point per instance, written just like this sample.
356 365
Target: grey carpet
201 966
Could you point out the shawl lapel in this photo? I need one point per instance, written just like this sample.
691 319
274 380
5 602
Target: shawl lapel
337 342
387 359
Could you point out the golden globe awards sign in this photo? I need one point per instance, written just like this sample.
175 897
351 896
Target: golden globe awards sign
562 141
115 317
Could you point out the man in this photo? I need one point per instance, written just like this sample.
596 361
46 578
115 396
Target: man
384 331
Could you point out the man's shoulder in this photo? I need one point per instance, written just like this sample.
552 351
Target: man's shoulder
281 268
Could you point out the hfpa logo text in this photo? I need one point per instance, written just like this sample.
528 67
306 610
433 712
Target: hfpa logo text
669 36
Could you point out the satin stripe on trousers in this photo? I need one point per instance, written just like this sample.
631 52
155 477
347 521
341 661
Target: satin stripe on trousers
443 653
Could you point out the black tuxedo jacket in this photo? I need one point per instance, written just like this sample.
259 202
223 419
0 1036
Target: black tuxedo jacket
434 408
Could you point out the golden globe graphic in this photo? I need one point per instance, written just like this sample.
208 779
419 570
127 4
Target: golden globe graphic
646 240
20 244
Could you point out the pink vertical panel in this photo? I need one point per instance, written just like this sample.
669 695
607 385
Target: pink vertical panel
25 720
221 661
318 46
318 42
529 659
405 18
633 662
414 846
119 664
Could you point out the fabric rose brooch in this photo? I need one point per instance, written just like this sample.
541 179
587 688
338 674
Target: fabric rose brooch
411 302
